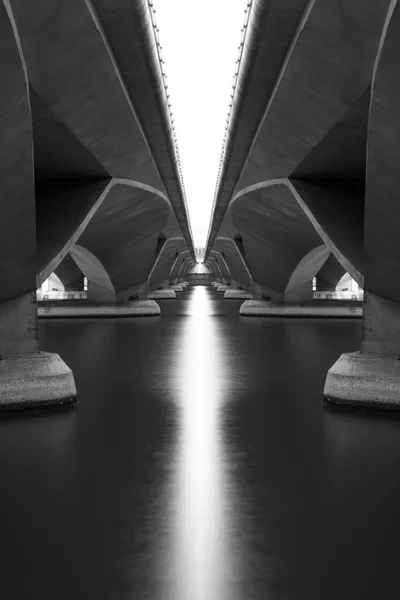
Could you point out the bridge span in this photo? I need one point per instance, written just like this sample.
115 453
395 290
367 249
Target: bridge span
307 184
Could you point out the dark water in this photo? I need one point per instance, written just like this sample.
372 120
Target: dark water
200 465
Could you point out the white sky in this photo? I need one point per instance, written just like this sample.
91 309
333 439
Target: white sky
199 41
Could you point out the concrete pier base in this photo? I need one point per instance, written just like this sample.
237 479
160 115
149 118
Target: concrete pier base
162 294
29 381
365 381
262 308
237 295
139 308
223 288
177 288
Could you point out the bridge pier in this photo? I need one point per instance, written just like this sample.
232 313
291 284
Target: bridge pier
370 379
29 378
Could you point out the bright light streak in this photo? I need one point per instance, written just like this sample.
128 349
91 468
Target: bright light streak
200 46
201 523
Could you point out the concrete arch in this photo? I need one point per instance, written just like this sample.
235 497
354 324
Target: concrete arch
121 228
238 269
70 274
161 271
176 267
330 274
223 267
212 262
186 265
343 236
276 234
100 286
299 286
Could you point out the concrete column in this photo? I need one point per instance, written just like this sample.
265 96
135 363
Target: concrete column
18 326
370 379
29 378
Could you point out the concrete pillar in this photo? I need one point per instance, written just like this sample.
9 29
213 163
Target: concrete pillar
29 378
370 379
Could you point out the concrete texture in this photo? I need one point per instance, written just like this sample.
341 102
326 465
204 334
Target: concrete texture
39 380
260 308
140 308
366 381
296 184
91 178
167 294
237 295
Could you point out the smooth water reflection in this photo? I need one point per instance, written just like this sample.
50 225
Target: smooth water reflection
200 543
200 466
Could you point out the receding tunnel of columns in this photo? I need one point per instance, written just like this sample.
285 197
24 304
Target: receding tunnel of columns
274 205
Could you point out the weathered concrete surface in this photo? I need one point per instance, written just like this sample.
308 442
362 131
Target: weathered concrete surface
161 270
365 381
17 198
167 294
305 155
140 308
229 251
88 157
260 308
38 380
237 295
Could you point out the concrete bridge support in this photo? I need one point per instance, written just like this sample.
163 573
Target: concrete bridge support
28 378
371 378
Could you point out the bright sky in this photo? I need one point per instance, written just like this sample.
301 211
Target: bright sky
199 43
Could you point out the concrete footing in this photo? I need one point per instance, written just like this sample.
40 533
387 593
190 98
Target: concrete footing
162 294
366 381
262 308
40 380
237 295
140 308
223 288
177 288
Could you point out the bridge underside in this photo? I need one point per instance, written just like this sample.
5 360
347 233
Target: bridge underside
308 181
90 174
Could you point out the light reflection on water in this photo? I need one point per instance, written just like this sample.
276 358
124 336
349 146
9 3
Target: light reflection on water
201 502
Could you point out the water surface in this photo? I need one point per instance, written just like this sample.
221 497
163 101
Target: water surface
199 466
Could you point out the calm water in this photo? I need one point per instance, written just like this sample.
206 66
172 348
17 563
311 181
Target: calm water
200 466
